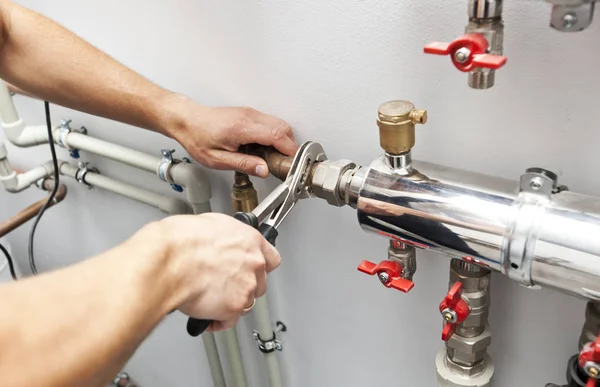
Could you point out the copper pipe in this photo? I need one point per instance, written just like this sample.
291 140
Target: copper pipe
279 164
30 212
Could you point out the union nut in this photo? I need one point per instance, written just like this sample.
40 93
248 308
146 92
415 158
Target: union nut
327 178
469 350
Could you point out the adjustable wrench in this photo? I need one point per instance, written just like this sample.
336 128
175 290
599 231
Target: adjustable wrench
269 214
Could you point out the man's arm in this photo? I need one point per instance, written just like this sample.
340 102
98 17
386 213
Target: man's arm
42 58
78 326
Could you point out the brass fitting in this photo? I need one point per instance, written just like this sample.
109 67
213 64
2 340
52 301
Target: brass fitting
243 196
396 121
279 165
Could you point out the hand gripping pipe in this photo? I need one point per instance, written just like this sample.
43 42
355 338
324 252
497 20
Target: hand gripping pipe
531 229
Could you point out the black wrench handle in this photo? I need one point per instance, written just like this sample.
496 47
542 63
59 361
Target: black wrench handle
196 327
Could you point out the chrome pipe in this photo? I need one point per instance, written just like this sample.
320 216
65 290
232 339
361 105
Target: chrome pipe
536 236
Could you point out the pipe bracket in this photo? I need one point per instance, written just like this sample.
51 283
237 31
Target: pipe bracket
164 169
82 171
535 194
268 346
63 131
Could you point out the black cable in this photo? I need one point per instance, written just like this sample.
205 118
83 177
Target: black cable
52 194
11 266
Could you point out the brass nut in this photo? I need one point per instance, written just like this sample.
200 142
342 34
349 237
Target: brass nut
396 121
326 180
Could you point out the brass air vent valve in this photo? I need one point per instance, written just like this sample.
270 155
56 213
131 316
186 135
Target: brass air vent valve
396 121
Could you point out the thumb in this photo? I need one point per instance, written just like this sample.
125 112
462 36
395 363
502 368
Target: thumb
252 165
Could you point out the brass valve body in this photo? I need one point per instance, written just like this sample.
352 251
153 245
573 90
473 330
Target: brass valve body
243 196
396 121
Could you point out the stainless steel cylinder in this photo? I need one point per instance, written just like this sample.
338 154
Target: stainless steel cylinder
472 216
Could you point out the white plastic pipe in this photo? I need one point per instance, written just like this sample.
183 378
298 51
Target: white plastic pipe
234 355
164 203
7 107
19 182
111 151
209 339
264 327
190 176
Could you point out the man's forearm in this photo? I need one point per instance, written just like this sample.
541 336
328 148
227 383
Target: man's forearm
43 58
78 326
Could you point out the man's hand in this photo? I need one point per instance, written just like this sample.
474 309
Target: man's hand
36 56
212 135
221 265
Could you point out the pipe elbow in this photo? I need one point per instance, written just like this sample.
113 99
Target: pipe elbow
174 206
10 182
194 179
25 136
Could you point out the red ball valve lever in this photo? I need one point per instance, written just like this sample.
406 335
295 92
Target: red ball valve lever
467 53
454 310
389 273
589 361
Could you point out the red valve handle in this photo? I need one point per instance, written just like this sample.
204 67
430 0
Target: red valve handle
477 46
591 354
393 270
454 303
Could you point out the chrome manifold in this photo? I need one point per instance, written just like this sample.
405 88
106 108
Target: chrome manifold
535 232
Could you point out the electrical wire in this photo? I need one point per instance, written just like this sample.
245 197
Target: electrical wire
11 265
52 193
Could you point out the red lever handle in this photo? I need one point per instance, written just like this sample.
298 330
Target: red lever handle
454 310
389 273
467 52
589 361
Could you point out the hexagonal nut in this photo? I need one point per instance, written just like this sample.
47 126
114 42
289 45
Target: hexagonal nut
471 345
476 319
474 367
466 359
326 180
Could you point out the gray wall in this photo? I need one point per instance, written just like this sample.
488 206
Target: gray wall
325 66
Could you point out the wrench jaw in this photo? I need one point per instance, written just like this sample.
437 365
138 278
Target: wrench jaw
298 180
309 154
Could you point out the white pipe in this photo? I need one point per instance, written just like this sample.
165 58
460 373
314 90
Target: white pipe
23 137
195 181
214 362
7 107
209 339
111 151
164 203
19 182
234 355
264 327
190 176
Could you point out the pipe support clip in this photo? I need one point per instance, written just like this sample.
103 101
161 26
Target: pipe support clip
164 169
535 195
268 346
63 131
82 171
